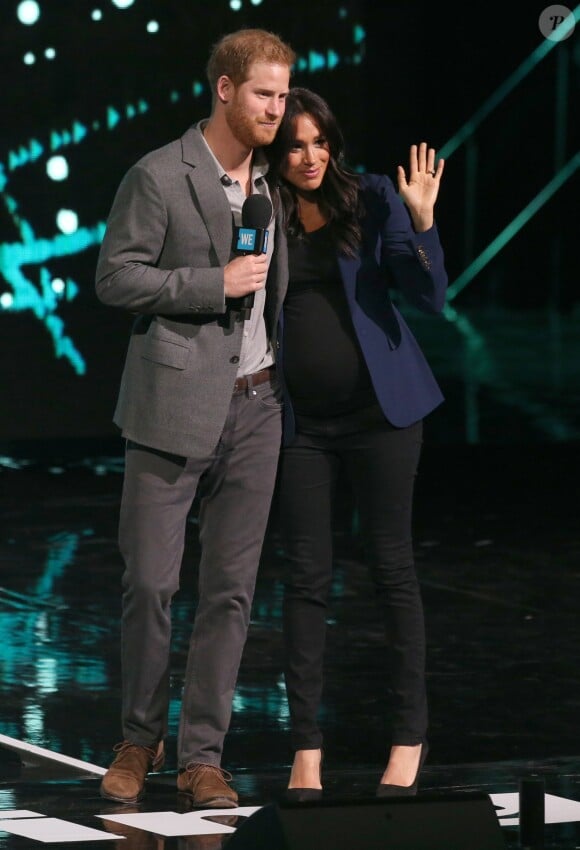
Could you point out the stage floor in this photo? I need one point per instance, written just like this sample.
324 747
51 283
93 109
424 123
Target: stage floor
497 547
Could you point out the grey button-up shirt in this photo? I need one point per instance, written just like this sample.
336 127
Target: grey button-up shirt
256 350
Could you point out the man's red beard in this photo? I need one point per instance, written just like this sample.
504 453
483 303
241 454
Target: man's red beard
249 131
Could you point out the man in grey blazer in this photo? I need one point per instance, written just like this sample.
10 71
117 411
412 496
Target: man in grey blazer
200 409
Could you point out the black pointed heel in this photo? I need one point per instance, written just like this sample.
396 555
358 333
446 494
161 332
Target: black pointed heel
305 795
302 795
385 789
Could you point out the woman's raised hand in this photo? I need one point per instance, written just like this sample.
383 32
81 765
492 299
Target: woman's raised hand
419 191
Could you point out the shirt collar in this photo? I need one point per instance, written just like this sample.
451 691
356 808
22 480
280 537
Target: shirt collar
260 164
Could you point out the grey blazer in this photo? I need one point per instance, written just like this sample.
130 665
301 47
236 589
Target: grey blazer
168 237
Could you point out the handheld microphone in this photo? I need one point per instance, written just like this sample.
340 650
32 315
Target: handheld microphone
252 236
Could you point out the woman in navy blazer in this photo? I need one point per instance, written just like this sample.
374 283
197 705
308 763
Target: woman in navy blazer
357 388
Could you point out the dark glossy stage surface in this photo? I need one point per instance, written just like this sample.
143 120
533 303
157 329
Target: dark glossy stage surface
498 553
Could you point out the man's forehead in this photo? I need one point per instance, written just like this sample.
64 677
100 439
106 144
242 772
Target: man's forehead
259 71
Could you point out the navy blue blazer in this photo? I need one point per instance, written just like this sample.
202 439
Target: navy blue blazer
391 255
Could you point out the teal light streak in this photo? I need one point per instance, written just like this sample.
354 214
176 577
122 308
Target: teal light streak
113 118
510 231
25 155
332 59
506 87
42 300
61 554
480 369
34 650
318 60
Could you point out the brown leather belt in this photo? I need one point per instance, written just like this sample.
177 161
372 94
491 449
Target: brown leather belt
242 384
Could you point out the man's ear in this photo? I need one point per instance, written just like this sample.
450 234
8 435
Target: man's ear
224 88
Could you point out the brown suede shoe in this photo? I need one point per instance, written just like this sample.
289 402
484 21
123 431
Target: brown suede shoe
125 779
207 786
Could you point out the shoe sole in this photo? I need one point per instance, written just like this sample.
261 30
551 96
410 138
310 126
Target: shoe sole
212 803
127 800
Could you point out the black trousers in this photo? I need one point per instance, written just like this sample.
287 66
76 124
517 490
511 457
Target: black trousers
381 464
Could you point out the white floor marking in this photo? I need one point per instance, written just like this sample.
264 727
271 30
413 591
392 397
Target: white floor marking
19 813
53 830
187 823
26 751
556 809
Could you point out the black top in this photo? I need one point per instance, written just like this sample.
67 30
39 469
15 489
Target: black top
324 367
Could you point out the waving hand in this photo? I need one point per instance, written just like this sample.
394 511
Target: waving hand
420 190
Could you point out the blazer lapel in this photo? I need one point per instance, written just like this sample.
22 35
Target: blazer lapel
209 198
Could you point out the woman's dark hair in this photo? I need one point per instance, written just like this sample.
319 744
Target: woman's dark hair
338 196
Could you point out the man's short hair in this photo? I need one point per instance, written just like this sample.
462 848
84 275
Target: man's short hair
234 53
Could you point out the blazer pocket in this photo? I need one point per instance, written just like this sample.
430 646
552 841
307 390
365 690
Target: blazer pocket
167 352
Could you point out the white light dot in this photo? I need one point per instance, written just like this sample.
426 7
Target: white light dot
57 168
256 2
58 285
153 26
67 221
50 52
28 12
97 15
123 4
6 300
235 5
29 58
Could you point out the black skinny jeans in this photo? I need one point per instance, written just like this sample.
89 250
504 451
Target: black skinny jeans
381 464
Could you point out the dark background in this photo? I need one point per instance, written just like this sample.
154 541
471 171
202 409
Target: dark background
507 358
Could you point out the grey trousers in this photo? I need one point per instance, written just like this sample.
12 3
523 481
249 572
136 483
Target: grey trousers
235 490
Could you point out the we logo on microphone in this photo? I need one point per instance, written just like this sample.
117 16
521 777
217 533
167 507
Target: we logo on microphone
248 239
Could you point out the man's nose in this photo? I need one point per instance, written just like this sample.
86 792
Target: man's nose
275 107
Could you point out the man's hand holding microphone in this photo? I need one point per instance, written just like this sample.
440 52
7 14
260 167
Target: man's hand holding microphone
247 272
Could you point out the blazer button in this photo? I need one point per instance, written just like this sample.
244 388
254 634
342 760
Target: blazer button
234 359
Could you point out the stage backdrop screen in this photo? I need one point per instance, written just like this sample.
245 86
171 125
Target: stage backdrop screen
90 87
